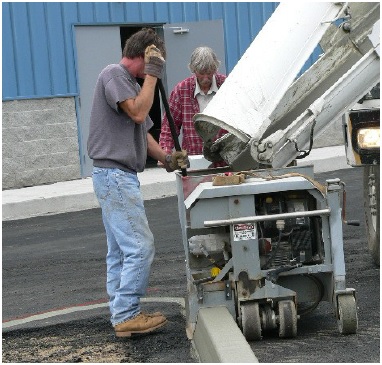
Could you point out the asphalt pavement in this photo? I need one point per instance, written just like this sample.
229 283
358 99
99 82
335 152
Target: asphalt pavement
54 303
77 196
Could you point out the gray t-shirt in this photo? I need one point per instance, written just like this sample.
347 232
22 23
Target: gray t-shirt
115 140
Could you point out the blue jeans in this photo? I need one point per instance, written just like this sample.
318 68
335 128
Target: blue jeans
130 242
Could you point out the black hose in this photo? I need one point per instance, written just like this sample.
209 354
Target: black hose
303 154
170 121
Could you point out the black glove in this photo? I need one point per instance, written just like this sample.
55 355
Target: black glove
178 159
154 62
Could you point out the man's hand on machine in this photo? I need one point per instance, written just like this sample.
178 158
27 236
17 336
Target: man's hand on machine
177 160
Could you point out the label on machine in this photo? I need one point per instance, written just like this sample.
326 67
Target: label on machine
244 231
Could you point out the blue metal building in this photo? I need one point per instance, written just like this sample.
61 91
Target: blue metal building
38 41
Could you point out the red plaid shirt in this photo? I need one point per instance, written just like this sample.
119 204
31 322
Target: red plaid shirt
183 106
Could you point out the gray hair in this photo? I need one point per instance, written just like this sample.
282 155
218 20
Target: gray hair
203 60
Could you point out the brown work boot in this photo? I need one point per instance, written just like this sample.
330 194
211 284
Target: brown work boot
142 323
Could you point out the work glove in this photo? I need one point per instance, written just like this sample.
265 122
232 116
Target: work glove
177 160
154 62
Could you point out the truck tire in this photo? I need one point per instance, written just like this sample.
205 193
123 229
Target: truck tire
371 204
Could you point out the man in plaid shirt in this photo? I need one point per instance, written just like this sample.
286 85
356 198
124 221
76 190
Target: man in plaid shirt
189 97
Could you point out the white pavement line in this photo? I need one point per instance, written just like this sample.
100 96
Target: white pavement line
180 301
60 312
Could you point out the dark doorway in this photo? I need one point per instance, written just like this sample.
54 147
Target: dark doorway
155 111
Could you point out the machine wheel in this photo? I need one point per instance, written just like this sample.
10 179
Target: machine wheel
347 313
250 321
371 203
287 319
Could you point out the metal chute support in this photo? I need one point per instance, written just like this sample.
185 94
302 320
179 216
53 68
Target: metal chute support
270 114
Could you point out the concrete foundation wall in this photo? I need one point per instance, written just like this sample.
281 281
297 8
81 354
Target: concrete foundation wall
40 142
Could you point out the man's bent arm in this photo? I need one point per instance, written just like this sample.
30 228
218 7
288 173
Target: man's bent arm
138 108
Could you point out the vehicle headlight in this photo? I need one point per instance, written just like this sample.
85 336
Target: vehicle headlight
368 138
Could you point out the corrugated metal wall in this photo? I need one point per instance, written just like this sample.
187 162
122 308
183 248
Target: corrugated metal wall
38 48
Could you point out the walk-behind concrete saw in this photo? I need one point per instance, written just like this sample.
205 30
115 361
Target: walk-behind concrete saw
268 248
262 239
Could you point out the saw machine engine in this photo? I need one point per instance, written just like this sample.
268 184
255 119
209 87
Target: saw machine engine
281 242
288 241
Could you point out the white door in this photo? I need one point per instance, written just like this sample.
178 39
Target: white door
97 47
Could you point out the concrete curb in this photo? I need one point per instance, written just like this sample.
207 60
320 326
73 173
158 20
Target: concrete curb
77 195
326 159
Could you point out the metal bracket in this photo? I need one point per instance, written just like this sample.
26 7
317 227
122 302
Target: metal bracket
227 289
180 30
200 293
273 274
342 14
333 184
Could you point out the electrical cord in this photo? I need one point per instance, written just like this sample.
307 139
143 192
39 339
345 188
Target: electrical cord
305 153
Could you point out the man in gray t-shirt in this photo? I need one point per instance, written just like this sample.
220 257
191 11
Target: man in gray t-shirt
118 144
115 140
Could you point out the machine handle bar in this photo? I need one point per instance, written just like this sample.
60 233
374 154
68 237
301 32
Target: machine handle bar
270 217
